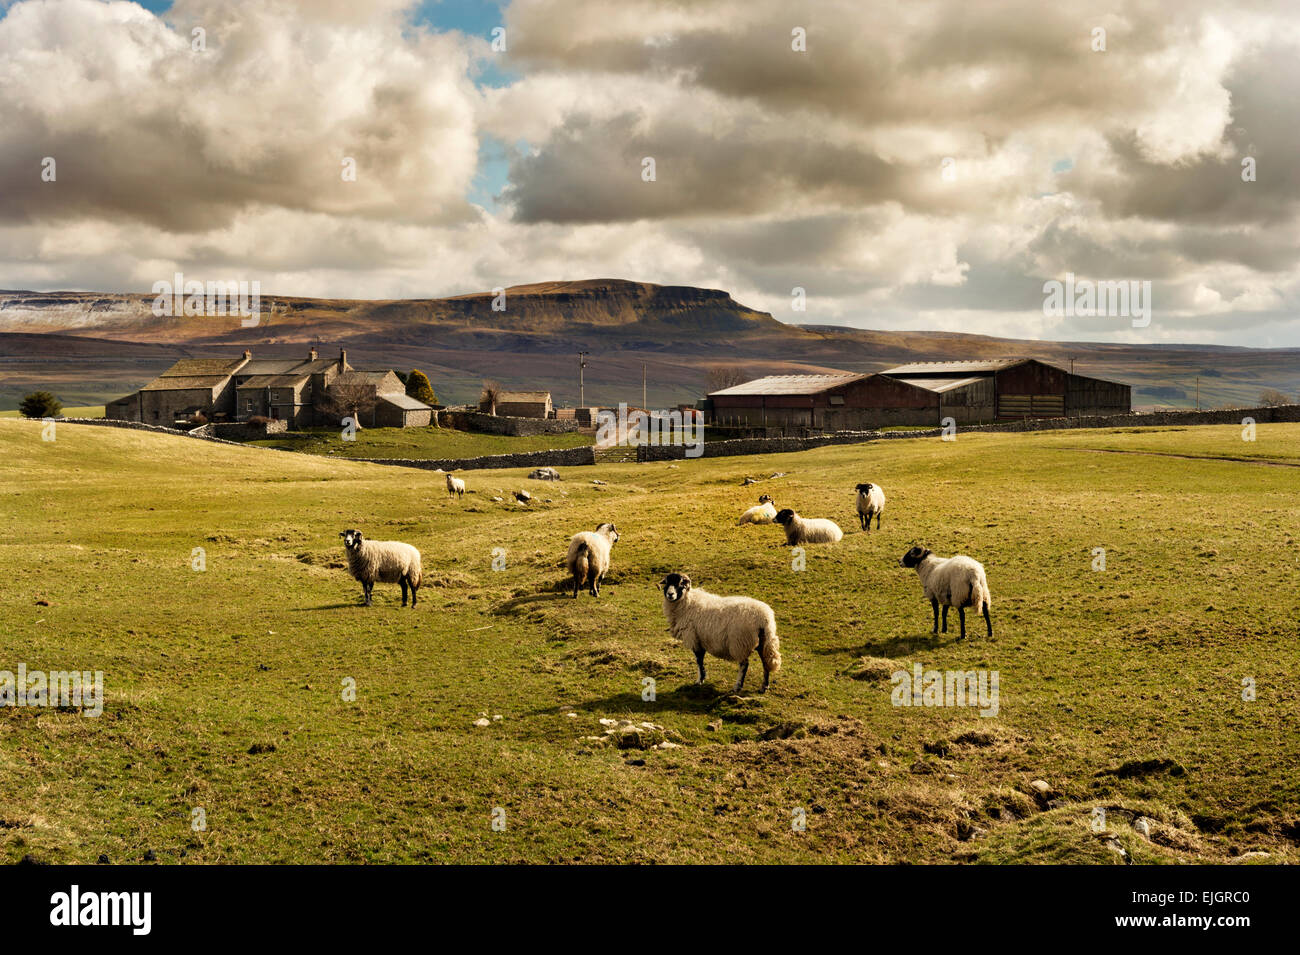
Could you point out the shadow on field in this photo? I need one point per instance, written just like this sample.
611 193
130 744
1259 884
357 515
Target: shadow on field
510 606
342 606
687 698
896 646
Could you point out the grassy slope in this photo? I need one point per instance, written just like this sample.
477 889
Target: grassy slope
85 411
1143 661
420 443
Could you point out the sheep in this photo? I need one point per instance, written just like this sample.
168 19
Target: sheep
729 628
764 512
455 486
871 501
386 561
588 558
808 530
953 582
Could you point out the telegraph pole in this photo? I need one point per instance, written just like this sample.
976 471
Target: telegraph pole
645 406
582 390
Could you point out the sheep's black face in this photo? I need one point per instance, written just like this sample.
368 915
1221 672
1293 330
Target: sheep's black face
914 557
351 539
785 516
675 587
865 488
765 500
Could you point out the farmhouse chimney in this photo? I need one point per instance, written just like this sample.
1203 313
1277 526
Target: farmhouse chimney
247 353
343 359
312 356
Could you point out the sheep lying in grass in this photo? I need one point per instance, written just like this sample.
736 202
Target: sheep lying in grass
729 628
952 582
588 559
871 502
385 561
808 530
455 486
764 512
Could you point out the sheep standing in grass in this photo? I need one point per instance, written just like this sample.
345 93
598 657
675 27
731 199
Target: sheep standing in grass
385 561
808 530
729 628
455 486
588 559
871 502
764 512
952 582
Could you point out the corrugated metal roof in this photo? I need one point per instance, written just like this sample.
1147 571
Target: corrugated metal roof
952 368
405 402
789 385
939 384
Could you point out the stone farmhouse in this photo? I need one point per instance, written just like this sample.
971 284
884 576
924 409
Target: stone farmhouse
303 393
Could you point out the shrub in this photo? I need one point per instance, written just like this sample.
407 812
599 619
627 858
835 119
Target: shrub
40 404
419 388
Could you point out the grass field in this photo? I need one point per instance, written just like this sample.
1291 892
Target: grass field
88 411
419 443
1120 689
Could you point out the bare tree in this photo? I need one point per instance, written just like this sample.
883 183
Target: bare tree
1272 398
349 399
487 401
727 376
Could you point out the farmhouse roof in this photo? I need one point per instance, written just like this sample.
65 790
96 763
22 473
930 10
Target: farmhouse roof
184 383
789 385
371 377
272 381
300 367
195 367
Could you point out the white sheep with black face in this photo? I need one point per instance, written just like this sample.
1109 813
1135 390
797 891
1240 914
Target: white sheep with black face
951 582
729 628
871 502
764 512
455 486
388 562
588 557
808 530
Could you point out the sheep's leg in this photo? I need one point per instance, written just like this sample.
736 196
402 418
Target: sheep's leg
740 679
877 520
577 582
699 665
934 605
402 581
961 615
988 620
414 588
368 587
945 618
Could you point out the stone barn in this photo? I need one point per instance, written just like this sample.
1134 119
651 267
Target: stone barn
524 404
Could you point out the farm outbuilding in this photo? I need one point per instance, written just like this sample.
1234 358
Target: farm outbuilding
1010 388
524 404
920 394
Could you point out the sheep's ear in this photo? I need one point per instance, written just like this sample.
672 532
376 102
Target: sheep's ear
686 581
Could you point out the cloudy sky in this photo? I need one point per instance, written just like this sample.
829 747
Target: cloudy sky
915 165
